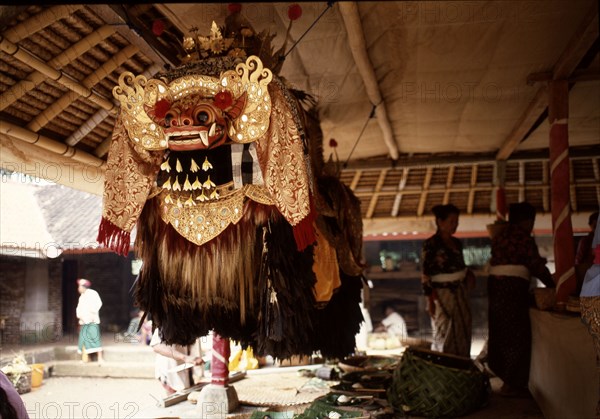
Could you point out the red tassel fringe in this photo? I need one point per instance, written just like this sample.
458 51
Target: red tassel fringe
113 237
304 231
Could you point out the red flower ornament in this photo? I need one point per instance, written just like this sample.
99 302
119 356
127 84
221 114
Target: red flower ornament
234 8
333 143
294 11
223 100
158 27
161 108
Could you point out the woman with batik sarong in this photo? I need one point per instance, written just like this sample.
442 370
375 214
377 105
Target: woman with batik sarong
446 282
515 258
590 299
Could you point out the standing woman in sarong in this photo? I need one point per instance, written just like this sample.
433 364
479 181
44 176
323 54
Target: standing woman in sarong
515 257
446 282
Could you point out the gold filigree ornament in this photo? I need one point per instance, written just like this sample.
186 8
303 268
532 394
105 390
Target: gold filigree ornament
141 129
250 77
202 222
136 93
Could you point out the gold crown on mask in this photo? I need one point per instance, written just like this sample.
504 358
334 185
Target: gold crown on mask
231 43
140 99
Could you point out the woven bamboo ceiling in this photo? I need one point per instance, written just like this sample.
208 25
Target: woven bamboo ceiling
429 102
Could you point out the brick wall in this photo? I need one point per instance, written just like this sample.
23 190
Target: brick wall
13 271
12 297
55 295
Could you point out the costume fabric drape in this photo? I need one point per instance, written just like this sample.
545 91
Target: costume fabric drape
509 345
452 321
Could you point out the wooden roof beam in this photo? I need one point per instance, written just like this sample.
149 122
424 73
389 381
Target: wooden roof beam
90 81
449 181
58 76
521 181
545 183
356 39
580 43
572 188
39 21
120 12
97 119
49 144
355 180
398 198
375 197
473 183
423 199
107 13
35 78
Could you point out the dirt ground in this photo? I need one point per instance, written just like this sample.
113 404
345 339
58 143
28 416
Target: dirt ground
79 397
120 398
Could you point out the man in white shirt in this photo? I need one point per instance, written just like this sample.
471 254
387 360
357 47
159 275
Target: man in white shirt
88 313
393 324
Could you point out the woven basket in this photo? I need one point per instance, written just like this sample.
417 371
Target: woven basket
23 381
434 385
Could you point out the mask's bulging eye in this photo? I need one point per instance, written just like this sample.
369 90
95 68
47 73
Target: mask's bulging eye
204 115
168 119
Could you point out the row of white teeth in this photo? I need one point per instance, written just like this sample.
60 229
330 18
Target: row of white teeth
203 135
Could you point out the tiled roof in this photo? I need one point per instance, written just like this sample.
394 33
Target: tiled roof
45 220
72 216
23 230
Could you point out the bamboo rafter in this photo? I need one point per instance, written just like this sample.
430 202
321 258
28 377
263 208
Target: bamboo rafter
97 119
58 76
572 189
40 21
449 181
49 144
374 198
473 183
401 186
423 199
355 180
63 102
545 181
19 89
466 189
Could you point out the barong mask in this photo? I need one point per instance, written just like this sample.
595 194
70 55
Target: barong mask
197 111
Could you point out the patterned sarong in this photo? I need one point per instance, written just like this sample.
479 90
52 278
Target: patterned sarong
452 322
90 339
590 316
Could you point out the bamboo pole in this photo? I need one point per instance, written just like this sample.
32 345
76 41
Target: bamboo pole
46 143
356 39
63 102
31 60
97 119
19 89
40 21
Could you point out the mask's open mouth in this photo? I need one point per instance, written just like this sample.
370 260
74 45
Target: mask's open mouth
193 138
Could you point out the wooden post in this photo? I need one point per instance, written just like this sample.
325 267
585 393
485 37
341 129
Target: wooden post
501 209
219 367
564 256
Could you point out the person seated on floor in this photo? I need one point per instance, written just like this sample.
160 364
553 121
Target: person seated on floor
177 367
393 323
